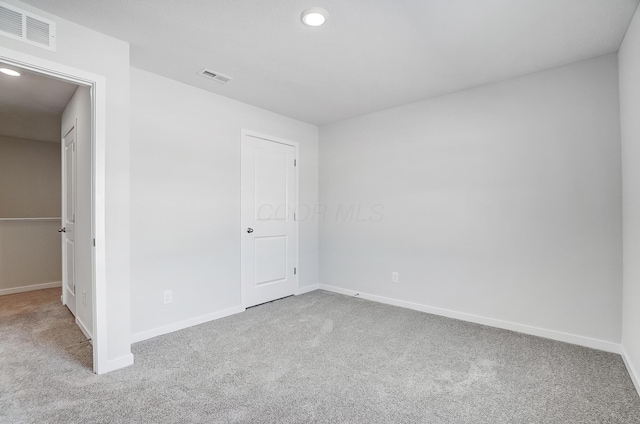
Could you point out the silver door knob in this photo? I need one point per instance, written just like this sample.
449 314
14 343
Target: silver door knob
249 230
62 230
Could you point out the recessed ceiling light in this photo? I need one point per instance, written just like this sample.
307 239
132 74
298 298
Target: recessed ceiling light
314 16
10 72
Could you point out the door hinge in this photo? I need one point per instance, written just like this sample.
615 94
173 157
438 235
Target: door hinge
295 162
294 216
295 271
94 242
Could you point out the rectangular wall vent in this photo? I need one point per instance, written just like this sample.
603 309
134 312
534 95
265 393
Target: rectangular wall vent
216 76
25 26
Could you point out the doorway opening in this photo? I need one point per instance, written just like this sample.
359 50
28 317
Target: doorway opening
269 226
46 202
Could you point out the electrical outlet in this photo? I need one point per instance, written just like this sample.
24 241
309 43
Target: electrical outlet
168 296
395 277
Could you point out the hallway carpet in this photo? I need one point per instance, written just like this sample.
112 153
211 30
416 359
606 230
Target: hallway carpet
315 358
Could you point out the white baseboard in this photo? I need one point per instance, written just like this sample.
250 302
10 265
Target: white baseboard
115 364
491 322
32 287
144 335
307 289
84 329
635 377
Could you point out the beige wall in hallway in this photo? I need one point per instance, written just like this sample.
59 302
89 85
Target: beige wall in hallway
29 188
29 178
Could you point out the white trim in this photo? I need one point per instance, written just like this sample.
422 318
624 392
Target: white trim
181 325
32 287
307 289
97 83
116 364
635 377
83 328
491 322
101 363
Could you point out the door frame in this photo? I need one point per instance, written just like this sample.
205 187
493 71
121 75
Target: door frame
244 133
97 85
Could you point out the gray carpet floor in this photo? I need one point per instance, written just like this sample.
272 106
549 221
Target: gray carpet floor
314 358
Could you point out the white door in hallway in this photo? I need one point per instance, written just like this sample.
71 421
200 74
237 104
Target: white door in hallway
269 241
68 229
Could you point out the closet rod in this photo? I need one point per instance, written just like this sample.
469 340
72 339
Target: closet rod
29 219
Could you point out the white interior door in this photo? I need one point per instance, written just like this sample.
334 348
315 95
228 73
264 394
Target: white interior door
69 220
268 227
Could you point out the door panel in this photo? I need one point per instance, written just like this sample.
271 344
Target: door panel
70 266
271 185
69 154
270 259
269 242
69 220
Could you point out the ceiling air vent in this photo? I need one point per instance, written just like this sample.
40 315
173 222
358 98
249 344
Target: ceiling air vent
25 26
216 76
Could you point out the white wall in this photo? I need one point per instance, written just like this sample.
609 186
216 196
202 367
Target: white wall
93 52
78 113
29 188
502 201
629 57
185 200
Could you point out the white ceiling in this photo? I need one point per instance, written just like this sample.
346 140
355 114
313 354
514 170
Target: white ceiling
31 105
370 55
